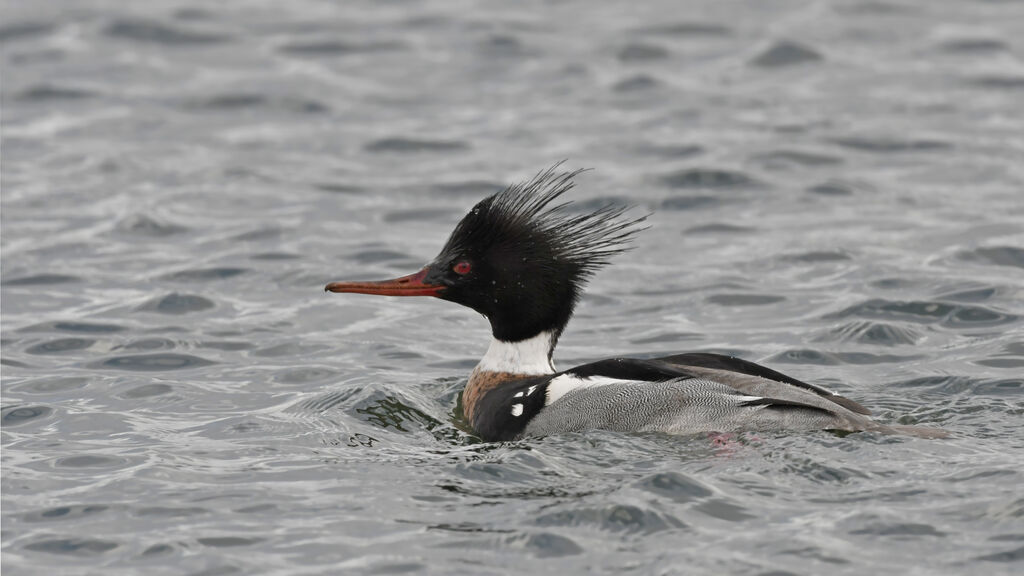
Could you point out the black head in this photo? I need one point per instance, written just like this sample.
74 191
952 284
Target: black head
519 258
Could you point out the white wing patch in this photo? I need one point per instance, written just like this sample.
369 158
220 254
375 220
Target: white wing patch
562 385
517 409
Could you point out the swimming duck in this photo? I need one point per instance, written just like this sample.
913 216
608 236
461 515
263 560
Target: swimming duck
521 258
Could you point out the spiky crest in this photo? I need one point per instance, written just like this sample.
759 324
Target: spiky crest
541 253
523 214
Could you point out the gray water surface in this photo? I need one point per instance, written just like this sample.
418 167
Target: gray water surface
837 191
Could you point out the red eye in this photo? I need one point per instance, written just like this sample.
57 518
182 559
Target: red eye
462 268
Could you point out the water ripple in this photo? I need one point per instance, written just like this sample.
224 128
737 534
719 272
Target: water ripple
160 33
708 178
152 362
877 333
176 303
20 415
74 326
616 518
637 52
205 274
414 145
60 345
320 48
786 53
41 280
998 255
927 312
25 30
72 546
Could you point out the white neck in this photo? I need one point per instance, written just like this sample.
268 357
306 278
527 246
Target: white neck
530 356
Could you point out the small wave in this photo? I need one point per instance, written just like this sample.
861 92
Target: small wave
329 401
690 202
877 333
687 29
744 299
999 82
205 274
241 101
147 391
505 46
926 312
708 178
414 145
974 45
817 257
675 151
64 513
61 345
72 546
613 518
637 52
719 228
972 295
544 544
788 158
152 362
636 83
177 304
889 145
228 541
41 280
675 486
305 375
146 225
322 48
72 326
337 188
838 188
20 415
54 93
809 356
147 345
997 255
158 33
25 30
786 53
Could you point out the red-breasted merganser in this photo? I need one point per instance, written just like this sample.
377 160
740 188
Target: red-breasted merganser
522 260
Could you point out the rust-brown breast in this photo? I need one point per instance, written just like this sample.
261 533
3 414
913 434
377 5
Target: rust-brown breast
480 383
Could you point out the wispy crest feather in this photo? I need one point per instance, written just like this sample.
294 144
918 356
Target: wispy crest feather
527 215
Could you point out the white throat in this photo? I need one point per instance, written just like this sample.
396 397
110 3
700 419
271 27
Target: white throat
531 356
